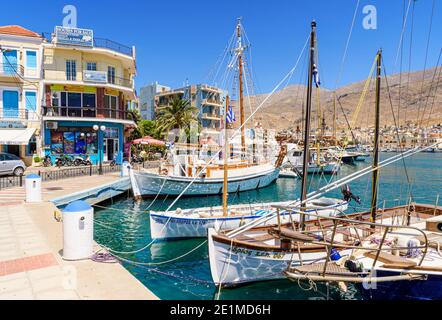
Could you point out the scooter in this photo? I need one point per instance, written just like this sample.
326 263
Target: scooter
64 160
80 161
47 162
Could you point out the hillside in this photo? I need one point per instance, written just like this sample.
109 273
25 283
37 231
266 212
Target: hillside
284 109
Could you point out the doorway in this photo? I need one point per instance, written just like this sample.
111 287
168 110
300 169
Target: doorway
111 148
13 149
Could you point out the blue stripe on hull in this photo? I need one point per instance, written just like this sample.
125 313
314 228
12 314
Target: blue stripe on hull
430 289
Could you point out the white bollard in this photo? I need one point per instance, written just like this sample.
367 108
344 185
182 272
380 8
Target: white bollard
78 231
125 169
33 188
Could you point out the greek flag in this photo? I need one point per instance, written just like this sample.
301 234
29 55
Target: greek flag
316 76
230 116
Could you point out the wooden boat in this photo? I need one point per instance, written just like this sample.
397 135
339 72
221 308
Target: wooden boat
396 258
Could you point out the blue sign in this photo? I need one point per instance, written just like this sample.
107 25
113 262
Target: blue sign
74 36
95 76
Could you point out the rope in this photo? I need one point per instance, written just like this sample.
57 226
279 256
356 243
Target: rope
158 263
225 273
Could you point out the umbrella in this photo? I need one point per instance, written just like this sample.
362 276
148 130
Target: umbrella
148 140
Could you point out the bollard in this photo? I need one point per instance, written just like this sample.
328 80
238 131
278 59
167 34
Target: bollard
125 169
33 188
78 231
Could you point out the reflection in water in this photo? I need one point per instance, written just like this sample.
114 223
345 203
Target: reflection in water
127 229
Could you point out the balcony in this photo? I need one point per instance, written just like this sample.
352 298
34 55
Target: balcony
16 115
99 43
86 112
88 76
11 70
211 116
211 102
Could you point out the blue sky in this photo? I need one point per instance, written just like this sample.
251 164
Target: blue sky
179 40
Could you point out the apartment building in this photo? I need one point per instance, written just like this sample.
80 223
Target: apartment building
88 95
20 91
207 99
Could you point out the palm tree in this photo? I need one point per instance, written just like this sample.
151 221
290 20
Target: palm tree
177 115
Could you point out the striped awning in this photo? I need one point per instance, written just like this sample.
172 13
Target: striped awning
16 136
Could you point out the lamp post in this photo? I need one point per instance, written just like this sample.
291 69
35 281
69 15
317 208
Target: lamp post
100 150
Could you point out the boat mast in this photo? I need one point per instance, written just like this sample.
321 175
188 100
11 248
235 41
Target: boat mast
226 152
240 50
375 178
308 112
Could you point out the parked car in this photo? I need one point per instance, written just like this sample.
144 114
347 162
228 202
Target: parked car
11 164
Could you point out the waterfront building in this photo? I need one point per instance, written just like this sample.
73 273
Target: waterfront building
20 91
89 91
147 99
207 99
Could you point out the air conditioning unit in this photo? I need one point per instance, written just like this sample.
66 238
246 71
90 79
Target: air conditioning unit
51 125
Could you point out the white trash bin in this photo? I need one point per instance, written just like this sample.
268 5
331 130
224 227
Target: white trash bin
125 169
78 231
33 188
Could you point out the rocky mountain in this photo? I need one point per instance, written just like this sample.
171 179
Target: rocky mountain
408 97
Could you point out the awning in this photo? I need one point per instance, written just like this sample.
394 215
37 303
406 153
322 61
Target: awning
16 136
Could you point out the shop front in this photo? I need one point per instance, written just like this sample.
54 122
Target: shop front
94 139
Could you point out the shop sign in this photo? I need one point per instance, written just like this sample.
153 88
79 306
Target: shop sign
94 76
74 36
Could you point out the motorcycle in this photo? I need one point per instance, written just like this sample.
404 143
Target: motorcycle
64 161
80 161
47 162
136 159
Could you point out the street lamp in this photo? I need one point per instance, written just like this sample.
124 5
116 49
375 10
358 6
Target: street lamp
100 150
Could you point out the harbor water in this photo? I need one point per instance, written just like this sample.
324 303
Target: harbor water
124 226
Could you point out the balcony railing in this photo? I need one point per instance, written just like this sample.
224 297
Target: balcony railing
15 115
86 112
52 73
211 102
100 43
8 69
212 116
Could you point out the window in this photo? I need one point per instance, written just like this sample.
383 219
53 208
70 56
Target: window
111 106
111 75
31 148
10 104
74 104
89 100
71 70
89 105
11 157
31 101
31 59
91 66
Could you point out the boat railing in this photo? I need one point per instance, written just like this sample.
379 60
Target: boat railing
340 226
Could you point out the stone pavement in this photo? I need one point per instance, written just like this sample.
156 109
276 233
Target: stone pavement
31 241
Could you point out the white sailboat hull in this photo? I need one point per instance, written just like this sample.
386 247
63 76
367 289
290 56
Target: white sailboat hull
233 266
150 184
189 223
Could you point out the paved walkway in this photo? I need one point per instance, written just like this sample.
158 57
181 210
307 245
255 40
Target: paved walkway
31 241
57 188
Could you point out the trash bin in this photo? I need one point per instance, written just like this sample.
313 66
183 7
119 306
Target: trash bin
33 188
125 169
78 231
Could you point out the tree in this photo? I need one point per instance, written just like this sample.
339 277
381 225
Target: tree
177 115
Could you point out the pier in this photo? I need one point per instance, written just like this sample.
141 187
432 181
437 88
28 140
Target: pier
31 241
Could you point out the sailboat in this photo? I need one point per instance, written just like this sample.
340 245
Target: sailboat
192 223
254 252
394 254
198 173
